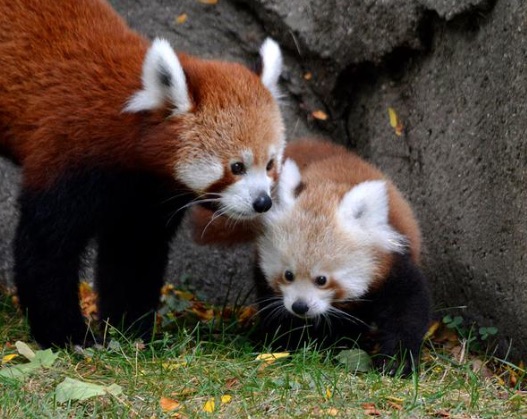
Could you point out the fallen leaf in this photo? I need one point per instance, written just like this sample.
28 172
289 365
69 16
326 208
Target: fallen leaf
246 314
8 358
442 414
395 122
209 406
308 75
208 1
204 314
329 394
320 115
231 383
394 405
167 405
37 361
24 350
332 411
170 366
72 389
479 367
88 300
182 18
184 295
355 359
272 357
226 398
432 330
370 409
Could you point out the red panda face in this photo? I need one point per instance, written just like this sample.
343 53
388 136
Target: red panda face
234 158
322 247
224 137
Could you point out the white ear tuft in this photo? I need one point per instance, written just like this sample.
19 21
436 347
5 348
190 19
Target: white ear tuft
271 66
163 79
366 208
367 203
290 178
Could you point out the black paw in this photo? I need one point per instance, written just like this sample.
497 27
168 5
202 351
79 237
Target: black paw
395 366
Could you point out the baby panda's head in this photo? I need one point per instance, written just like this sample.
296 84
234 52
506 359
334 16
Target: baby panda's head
325 243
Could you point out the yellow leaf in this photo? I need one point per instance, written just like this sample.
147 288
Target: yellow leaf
226 398
208 1
182 18
332 411
432 330
170 366
321 115
209 406
329 394
395 122
184 295
271 357
8 358
393 117
168 405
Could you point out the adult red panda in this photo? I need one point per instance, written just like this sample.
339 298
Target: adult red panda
338 252
116 136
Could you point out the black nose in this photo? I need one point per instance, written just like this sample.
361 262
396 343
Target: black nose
262 203
300 308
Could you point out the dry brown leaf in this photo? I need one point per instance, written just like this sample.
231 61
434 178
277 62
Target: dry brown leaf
208 1
308 75
202 313
370 409
320 115
88 300
232 383
182 18
168 405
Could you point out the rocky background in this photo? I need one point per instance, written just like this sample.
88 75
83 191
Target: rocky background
453 71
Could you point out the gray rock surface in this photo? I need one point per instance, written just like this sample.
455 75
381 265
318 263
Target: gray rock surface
454 71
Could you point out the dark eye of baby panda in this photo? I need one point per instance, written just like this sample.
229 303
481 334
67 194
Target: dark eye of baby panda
321 280
238 168
289 276
270 165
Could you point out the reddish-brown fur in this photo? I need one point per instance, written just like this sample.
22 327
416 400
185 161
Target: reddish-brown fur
61 97
314 158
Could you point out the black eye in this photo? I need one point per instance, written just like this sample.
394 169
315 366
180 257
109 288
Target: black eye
270 165
289 276
321 280
238 168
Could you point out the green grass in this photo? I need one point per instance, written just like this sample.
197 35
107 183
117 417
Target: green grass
192 366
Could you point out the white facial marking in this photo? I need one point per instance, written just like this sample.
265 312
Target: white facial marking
272 66
318 300
163 78
239 197
200 173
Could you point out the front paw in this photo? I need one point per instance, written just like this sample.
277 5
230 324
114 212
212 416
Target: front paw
395 366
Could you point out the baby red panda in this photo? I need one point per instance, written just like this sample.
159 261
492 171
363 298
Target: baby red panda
339 252
116 136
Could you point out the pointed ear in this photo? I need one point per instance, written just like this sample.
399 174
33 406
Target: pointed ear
366 207
290 179
271 66
366 204
163 80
